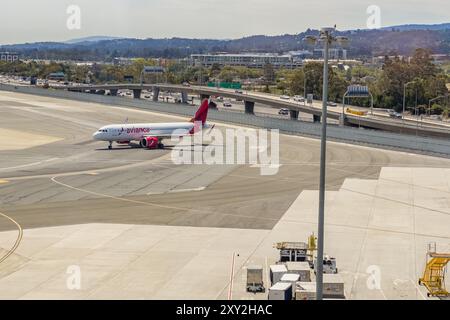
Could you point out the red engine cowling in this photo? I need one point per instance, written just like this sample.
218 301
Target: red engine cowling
149 142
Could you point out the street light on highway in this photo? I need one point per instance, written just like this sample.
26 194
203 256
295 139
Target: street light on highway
435 99
326 37
304 85
404 97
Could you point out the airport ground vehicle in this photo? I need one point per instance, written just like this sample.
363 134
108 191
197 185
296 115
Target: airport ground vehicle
434 274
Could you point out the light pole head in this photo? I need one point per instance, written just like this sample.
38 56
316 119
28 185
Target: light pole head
342 41
326 34
327 30
311 40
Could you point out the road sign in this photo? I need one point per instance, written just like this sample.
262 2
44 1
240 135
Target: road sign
226 85
358 91
153 69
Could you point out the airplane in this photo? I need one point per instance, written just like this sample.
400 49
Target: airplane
151 135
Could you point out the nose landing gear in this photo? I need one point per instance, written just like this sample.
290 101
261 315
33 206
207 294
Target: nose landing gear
110 145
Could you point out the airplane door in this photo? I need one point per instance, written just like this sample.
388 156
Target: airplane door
121 132
115 133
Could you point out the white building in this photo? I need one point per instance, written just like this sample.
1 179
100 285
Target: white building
334 53
245 60
9 56
120 61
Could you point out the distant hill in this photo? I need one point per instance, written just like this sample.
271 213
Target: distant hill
402 40
91 39
409 27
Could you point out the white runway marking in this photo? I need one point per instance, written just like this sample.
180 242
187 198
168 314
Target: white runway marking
29 164
177 191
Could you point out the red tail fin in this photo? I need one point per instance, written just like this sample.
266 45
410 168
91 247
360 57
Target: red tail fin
202 112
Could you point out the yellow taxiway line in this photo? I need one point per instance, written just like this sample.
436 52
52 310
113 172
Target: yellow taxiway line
18 240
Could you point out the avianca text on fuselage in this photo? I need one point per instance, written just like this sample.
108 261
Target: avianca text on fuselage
137 130
150 135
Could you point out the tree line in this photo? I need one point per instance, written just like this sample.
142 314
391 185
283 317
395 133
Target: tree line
425 80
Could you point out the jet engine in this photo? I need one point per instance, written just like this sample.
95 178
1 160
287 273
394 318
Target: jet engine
150 142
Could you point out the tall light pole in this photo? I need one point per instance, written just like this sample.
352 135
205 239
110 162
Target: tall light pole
432 100
304 85
142 78
326 37
404 97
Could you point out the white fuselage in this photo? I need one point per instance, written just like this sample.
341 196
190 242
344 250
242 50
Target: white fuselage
137 131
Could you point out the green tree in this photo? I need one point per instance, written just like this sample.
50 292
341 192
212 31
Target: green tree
269 73
429 81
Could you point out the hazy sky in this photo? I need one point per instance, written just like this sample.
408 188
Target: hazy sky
46 20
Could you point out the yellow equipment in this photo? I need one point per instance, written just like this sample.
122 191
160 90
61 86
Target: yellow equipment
356 112
312 244
434 275
297 251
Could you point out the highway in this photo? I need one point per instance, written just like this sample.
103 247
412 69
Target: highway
265 102
378 121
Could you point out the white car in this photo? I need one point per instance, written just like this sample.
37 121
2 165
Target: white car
394 114
283 112
284 97
227 104
299 99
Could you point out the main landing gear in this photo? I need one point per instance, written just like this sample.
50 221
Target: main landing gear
159 146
